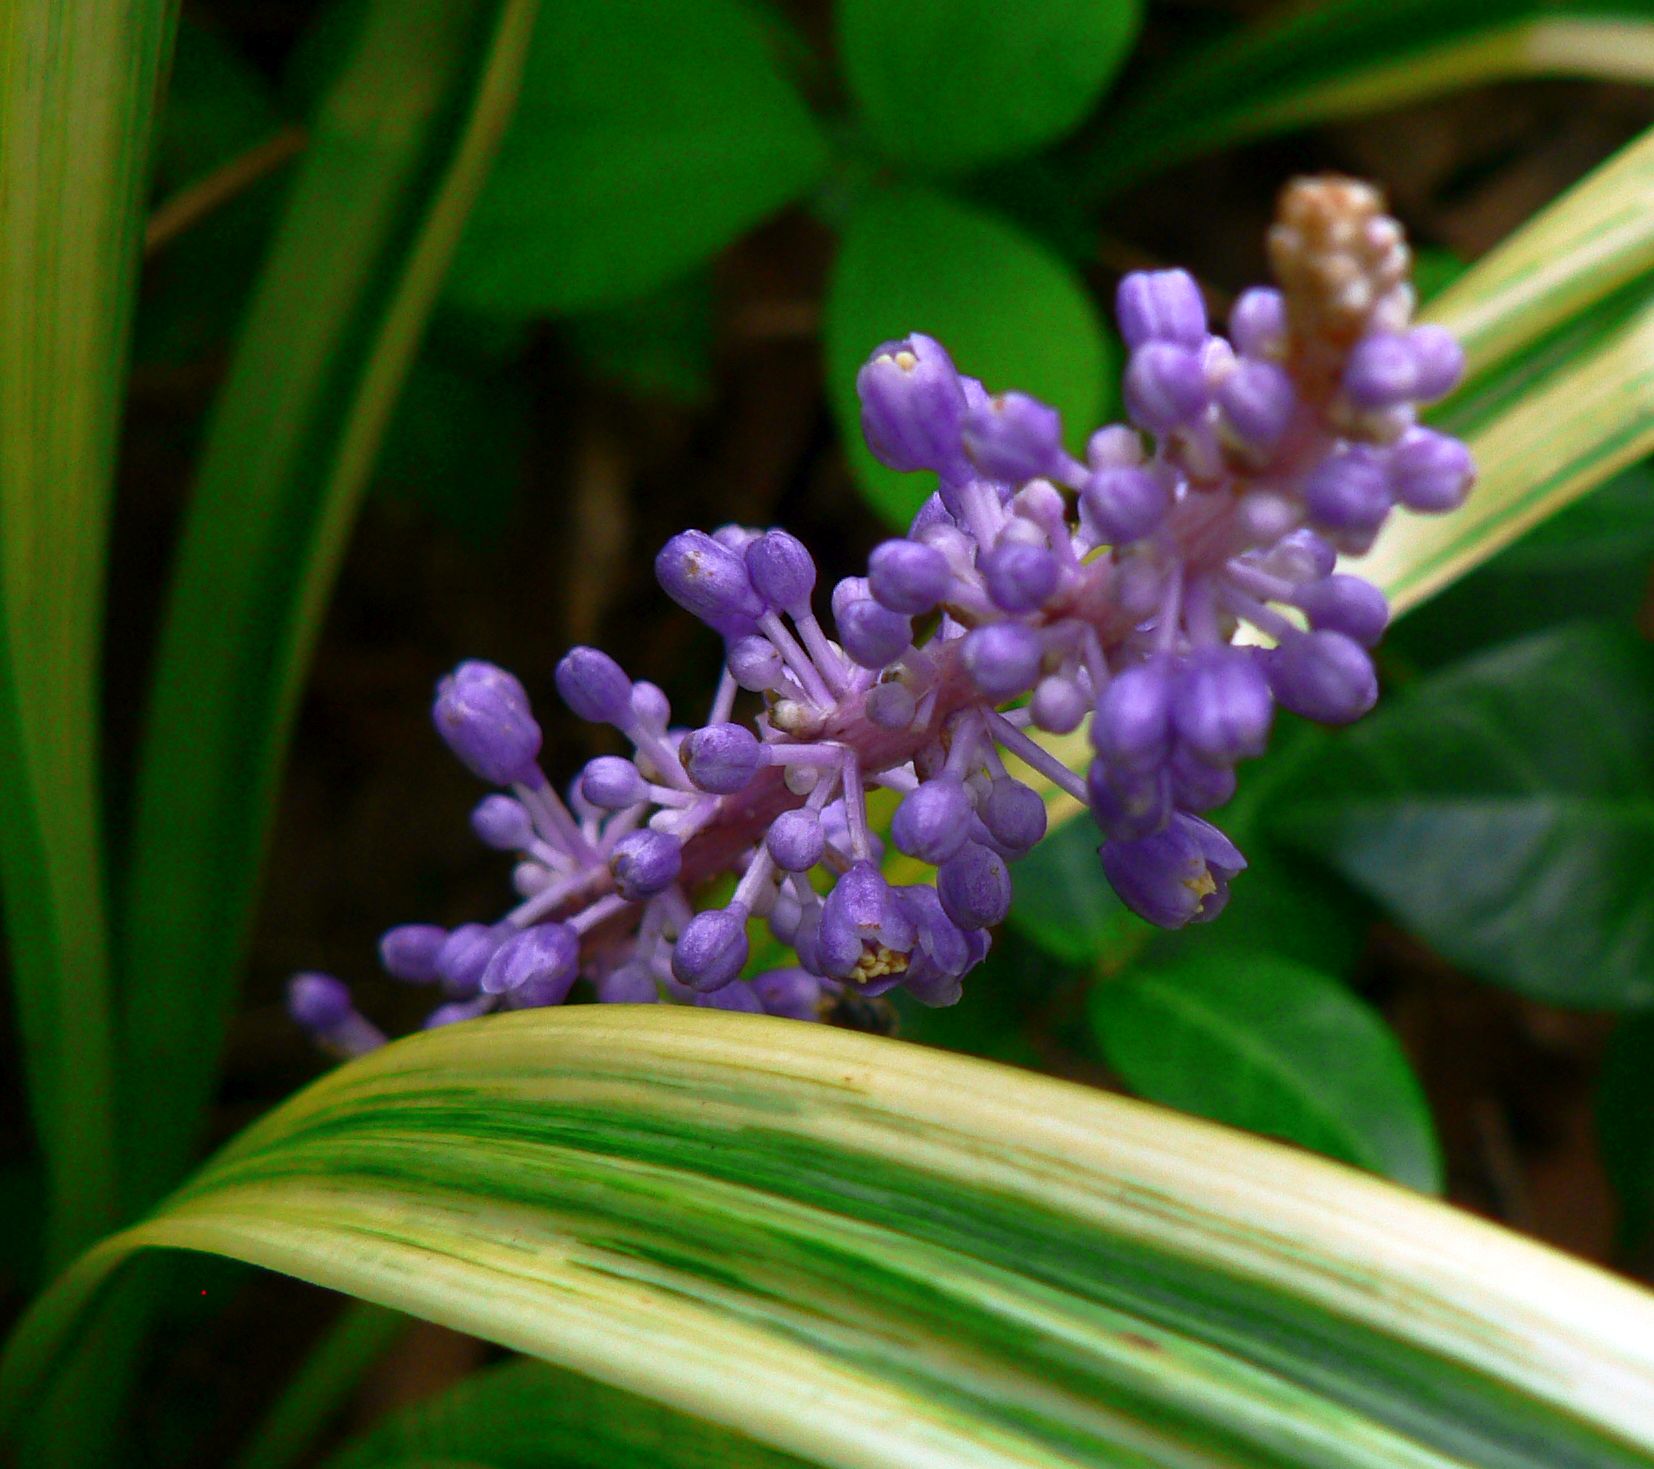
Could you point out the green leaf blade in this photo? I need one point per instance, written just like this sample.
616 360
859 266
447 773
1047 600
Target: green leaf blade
1015 78
1008 311
1275 1047
648 136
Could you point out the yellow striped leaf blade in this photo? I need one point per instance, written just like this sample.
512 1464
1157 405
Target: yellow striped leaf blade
861 1252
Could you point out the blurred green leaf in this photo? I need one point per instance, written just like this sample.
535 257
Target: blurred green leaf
868 1254
945 85
1625 1125
397 151
1063 903
658 345
216 105
1263 1043
529 1415
1008 310
1504 811
1342 58
649 134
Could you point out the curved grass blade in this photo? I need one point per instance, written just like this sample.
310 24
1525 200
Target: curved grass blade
376 210
1354 57
865 1253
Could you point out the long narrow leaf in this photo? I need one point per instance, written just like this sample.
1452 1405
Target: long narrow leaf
77 86
864 1253
371 224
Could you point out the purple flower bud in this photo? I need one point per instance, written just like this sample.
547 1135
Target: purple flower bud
933 512
933 820
891 706
1324 676
1221 705
1114 446
1124 505
738 997
1133 722
1345 604
1432 472
464 955
1382 371
795 840
612 783
912 403
1059 706
409 952
755 663
1198 785
1257 322
1002 658
782 571
594 686
721 758
628 984
534 967
1258 402
735 538
710 581
793 994
645 863
1165 386
1440 361
784 916
319 1002
1019 578
1303 556
908 577
1349 492
502 822
482 714
1160 305
1128 804
1014 437
864 931
711 950
1177 876
1014 814
974 887
873 636
455 1011
650 707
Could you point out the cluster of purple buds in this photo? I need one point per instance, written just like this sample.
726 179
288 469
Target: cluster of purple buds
1171 588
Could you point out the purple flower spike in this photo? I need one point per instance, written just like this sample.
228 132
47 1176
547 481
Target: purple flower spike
974 887
1257 323
1324 676
409 953
912 403
1125 504
612 783
1349 493
721 758
1019 577
540 961
1014 437
1345 604
1196 784
645 863
1258 401
1003 658
933 820
1014 814
322 1005
755 664
793 994
873 636
629 984
1383 371
1126 803
710 581
796 841
1165 387
1432 472
908 577
463 957
865 935
594 686
891 706
711 950
741 998
482 713
1133 725
1440 361
1160 306
503 823
1178 876
782 572
1222 706
1059 706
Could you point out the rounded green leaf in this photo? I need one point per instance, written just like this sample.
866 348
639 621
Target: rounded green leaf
1264 1043
952 84
1008 310
649 133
